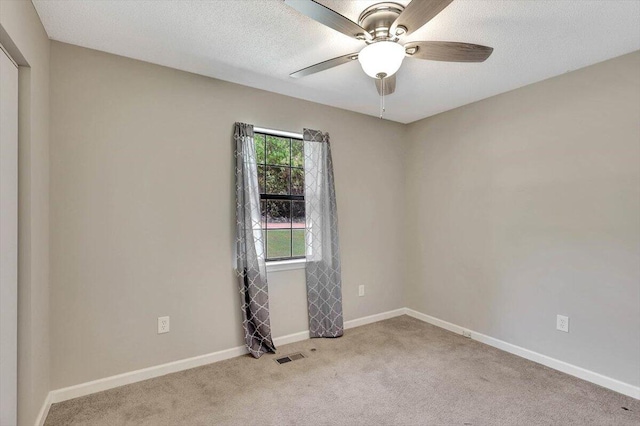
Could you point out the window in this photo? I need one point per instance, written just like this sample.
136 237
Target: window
281 179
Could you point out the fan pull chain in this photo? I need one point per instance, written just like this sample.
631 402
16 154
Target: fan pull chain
382 109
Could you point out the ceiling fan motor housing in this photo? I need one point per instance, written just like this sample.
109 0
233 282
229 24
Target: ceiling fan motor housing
378 18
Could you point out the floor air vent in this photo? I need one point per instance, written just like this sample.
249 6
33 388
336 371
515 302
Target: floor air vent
290 357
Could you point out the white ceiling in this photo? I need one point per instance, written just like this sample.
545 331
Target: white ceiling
258 43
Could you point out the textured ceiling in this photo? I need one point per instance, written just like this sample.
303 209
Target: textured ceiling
258 43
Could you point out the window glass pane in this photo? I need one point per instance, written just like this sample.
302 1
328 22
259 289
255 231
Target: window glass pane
298 242
261 179
263 214
278 214
297 153
259 141
297 181
278 151
278 243
278 229
277 180
297 214
280 172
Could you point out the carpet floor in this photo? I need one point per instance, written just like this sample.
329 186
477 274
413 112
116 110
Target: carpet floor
395 372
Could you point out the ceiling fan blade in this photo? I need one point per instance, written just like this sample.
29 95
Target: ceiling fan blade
389 85
417 13
324 65
329 17
447 51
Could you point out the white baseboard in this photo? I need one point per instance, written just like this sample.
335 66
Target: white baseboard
44 411
434 321
374 318
304 335
290 338
99 385
565 367
106 383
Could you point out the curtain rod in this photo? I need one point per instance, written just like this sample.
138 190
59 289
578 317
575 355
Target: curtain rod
277 132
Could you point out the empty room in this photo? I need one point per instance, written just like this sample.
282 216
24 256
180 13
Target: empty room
319 212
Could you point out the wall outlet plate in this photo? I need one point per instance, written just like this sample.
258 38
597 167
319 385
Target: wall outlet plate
562 323
466 333
163 325
361 290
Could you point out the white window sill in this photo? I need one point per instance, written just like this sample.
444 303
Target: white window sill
286 265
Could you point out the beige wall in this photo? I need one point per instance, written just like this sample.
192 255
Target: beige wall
142 212
526 205
515 208
24 37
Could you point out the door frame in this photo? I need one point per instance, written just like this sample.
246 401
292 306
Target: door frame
9 245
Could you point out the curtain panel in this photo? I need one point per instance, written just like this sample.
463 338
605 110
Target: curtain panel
250 255
323 275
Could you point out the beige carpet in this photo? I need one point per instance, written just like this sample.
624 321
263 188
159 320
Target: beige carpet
395 372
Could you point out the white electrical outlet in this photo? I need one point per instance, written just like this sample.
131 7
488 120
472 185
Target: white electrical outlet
562 323
361 290
466 333
163 325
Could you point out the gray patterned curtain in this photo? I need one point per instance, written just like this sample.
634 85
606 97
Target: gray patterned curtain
250 262
324 286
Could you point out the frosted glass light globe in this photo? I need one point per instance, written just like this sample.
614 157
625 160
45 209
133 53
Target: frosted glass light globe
382 57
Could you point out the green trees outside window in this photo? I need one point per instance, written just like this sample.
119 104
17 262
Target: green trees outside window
281 180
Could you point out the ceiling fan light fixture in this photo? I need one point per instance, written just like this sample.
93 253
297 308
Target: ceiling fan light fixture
382 57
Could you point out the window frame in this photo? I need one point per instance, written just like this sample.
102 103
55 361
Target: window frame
291 262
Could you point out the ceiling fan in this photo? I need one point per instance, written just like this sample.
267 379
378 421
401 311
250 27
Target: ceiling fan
381 26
